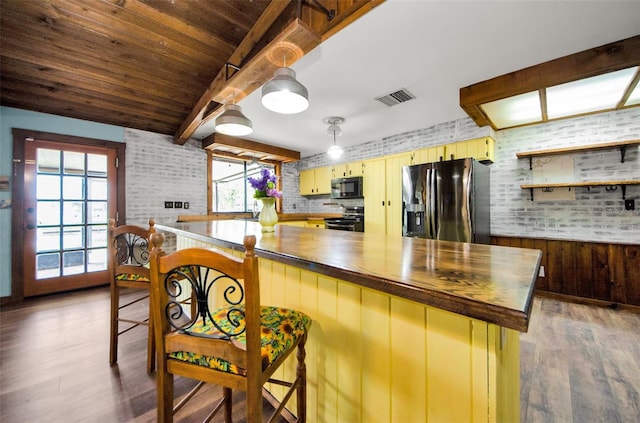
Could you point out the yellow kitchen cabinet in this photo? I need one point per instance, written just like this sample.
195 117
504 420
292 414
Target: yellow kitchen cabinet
383 194
299 223
319 224
456 150
315 181
481 149
345 170
428 155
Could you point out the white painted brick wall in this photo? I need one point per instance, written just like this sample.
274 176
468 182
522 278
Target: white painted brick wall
157 170
595 215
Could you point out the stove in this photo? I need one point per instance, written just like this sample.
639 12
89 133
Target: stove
352 220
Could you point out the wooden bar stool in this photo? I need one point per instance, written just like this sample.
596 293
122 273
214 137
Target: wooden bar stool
128 266
230 340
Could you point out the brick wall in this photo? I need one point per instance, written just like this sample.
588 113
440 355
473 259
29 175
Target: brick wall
595 214
159 170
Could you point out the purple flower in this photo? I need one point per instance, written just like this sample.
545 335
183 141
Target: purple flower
265 184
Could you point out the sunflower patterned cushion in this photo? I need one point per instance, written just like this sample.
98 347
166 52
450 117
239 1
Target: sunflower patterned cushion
281 328
131 277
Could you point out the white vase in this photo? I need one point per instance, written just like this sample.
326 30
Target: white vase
268 216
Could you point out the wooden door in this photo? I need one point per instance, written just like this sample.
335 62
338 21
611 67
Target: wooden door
70 192
393 173
374 196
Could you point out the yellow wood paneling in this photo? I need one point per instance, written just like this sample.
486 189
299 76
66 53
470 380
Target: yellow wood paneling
408 361
449 355
291 300
508 374
372 357
479 375
326 328
376 358
309 305
349 342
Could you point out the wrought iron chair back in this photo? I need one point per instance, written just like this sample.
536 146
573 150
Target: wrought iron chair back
129 269
218 340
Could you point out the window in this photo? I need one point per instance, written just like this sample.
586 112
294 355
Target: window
230 189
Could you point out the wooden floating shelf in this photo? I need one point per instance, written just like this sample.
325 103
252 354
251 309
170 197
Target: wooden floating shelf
622 145
623 184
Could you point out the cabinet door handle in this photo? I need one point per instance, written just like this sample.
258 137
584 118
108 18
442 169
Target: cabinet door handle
382 203
389 203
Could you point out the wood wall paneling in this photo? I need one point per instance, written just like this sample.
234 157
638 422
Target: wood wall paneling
592 270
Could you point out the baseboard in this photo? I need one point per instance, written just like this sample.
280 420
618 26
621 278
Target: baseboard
589 301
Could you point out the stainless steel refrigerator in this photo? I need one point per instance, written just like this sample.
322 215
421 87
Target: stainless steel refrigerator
446 200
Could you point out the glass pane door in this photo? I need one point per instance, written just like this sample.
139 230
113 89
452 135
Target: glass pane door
67 215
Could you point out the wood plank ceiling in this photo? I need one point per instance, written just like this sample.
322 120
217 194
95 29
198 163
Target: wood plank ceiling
142 64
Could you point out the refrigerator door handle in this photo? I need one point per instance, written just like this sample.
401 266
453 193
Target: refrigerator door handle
427 204
405 219
433 214
469 190
434 204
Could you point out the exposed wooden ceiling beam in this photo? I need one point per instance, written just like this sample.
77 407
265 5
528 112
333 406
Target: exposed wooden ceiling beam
596 61
296 40
235 146
262 25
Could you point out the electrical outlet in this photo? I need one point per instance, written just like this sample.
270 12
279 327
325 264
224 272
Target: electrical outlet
541 272
177 204
168 204
186 204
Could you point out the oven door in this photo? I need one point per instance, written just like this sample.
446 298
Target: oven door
340 224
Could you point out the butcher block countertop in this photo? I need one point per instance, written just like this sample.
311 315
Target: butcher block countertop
486 282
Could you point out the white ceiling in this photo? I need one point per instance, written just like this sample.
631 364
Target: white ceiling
431 48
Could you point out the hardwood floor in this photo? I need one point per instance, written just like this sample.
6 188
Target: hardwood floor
579 363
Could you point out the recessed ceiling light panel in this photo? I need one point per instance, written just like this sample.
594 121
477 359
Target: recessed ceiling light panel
513 111
634 97
602 92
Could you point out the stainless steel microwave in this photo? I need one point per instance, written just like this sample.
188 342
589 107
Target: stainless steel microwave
347 187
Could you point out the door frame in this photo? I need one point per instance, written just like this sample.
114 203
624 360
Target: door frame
20 136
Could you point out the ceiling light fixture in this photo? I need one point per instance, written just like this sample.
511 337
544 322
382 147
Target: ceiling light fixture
284 94
600 79
233 122
335 151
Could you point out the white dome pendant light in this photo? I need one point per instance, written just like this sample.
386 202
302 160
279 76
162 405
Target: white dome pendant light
284 94
335 151
233 122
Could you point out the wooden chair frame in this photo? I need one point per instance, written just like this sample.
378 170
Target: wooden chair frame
129 252
247 357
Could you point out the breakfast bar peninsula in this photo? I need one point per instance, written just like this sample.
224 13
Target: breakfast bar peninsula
404 329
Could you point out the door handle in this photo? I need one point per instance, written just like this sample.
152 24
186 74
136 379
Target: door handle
30 226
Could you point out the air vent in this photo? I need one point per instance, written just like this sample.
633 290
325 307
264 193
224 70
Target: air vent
396 97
